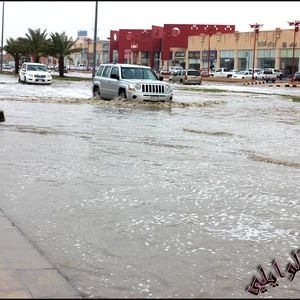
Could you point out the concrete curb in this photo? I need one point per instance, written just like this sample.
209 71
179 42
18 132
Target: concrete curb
24 272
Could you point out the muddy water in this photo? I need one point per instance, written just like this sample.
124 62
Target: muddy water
155 201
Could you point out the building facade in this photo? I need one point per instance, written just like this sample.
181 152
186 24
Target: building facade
198 46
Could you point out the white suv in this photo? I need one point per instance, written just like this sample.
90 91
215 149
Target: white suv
34 73
132 82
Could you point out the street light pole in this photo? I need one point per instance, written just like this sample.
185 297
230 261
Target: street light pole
256 30
208 62
2 36
95 40
296 24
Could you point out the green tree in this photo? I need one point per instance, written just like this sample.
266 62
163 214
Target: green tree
62 47
38 44
17 48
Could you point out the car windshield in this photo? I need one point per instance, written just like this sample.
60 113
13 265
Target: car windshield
241 72
37 68
138 73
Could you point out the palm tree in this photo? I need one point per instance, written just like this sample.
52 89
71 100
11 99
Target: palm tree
38 44
62 47
17 48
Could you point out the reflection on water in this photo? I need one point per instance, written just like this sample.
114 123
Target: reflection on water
155 200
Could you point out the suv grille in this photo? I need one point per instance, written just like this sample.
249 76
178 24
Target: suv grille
153 88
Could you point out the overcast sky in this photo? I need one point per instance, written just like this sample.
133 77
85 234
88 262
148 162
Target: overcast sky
71 16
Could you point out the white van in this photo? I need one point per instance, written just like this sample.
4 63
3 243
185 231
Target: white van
81 67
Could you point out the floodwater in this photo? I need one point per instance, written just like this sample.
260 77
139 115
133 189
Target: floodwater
129 200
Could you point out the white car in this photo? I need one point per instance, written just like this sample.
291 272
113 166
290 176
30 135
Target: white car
175 68
81 67
34 73
243 75
259 75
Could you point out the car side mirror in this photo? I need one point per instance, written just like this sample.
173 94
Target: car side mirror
115 76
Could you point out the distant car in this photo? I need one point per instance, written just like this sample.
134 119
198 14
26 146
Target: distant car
243 75
259 75
233 71
204 72
189 76
57 69
175 68
81 67
34 73
72 68
256 70
297 76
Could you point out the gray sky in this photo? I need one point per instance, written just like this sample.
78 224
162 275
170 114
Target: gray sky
71 16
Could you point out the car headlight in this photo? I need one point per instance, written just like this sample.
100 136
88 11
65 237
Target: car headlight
137 86
30 75
168 88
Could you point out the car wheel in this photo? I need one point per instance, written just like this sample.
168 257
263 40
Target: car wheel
19 79
24 82
122 94
96 92
181 80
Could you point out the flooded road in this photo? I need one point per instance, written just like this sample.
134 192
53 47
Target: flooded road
155 201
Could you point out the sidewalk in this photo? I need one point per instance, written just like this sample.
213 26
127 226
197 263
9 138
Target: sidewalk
24 272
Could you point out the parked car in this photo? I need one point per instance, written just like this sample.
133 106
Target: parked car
57 69
175 68
269 75
132 82
189 76
34 73
277 72
81 67
259 75
204 72
243 75
72 67
297 76
256 70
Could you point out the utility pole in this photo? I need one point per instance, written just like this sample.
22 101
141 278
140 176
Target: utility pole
2 36
256 30
296 24
95 41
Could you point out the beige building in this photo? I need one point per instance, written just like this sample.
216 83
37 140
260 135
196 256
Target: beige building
86 56
273 49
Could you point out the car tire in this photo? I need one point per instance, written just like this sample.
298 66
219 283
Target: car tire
19 79
181 80
96 92
24 82
122 94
